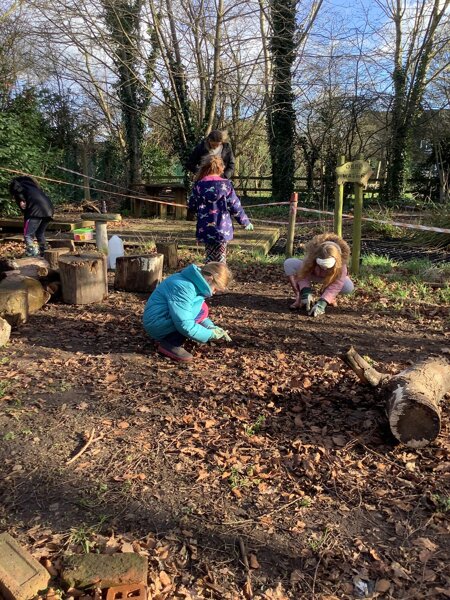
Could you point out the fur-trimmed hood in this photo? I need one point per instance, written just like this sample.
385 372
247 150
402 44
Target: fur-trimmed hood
312 246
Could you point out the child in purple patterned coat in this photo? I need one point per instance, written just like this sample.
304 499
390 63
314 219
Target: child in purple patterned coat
214 200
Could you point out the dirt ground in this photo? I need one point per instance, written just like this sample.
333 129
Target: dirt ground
262 470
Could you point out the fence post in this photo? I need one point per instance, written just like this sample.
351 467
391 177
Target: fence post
339 202
357 220
291 227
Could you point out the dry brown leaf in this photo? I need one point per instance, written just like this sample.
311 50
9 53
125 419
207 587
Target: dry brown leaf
165 578
126 547
382 585
254 564
426 544
296 576
202 475
123 425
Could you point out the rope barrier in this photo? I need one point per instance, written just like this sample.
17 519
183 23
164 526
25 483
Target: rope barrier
59 181
298 208
395 223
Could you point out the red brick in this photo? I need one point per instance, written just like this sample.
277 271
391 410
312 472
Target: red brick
21 576
122 592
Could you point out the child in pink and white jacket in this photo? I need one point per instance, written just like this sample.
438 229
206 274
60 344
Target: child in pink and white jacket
325 262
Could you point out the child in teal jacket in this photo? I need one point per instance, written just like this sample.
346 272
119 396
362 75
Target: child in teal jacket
177 311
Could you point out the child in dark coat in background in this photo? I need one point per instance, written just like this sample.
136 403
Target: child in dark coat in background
215 143
325 261
37 210
214 200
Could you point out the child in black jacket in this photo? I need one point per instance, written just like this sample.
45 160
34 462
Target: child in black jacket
37 210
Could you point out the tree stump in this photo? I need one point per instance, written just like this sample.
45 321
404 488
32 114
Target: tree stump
52 256
14 306
83 278
138 273
412 396
170 252
5 332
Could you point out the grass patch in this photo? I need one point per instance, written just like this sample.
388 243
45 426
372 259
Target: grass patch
385 230
377 265
405 282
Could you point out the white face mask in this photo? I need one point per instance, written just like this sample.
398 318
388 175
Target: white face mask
326 263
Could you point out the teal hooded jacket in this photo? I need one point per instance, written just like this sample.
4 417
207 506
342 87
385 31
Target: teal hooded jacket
175 304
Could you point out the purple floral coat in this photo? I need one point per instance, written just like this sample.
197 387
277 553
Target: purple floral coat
214 200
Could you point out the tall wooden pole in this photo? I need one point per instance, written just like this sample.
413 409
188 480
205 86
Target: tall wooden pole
291 226
85 167
339 202
357 220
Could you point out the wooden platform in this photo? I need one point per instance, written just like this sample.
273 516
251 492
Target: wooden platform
12 224
137 232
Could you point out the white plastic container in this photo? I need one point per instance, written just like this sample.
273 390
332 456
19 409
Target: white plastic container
115 249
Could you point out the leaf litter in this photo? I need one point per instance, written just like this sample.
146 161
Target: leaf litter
268 444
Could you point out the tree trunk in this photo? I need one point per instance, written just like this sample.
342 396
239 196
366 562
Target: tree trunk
170 252
140 273
37 296
83 278
52 256
14 306
412 396
5 332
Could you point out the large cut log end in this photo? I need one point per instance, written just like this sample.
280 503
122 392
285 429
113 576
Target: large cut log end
413 398
412 422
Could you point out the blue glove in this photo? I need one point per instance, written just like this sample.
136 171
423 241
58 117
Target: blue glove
249 227
306 298
220 334
318 308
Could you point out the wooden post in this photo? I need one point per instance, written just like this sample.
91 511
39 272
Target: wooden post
170 252
138 273
339 202
83 278
101 228
101 236
180 198
291 226
357 220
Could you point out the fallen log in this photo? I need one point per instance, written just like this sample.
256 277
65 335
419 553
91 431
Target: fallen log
5 332
36 294
14 306
29 267
412 396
